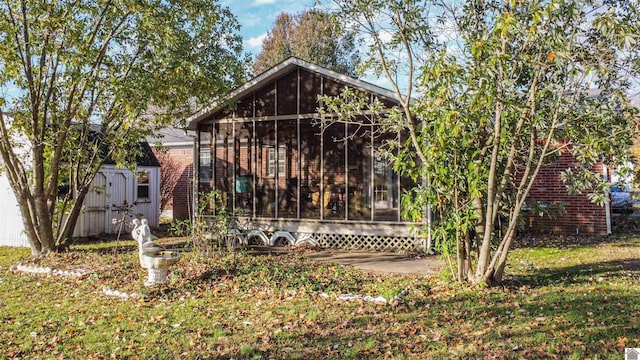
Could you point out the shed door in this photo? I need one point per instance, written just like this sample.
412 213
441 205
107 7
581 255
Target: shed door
121 199
94 207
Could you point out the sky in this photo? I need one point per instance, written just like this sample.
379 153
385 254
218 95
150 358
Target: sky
257 17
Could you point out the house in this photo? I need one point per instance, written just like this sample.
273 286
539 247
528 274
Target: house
173 148
115 193
264 151
291 178
580 215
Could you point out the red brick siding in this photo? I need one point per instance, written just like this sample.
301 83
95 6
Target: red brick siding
582 216
181 200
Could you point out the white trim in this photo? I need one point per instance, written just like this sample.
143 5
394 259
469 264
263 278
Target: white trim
173 144
343 227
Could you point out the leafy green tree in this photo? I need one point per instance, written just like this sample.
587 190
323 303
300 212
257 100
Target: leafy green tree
91 78
493 90
311 36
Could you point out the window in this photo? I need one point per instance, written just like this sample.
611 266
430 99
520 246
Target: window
281 161
143 185
205 166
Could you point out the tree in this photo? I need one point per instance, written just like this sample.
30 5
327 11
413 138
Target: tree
84 74
504 87
311 36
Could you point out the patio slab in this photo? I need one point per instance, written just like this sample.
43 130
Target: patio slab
380 261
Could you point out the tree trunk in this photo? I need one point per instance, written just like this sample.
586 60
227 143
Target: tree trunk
28 223
66 232
488 217
461 257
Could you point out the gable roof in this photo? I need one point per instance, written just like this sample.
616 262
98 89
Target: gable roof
146 158
277 71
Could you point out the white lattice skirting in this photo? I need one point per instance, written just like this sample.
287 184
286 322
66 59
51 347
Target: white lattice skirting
368 242
395 237
339 241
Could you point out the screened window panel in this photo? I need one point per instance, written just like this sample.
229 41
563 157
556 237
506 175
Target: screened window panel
386 200
406 183
359 176
244 161
333 192
287 169
332 87
310 88
244 107
310 184
205 168
224 164
265 104
265 186
287 94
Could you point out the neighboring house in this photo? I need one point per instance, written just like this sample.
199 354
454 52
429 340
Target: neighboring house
113 192
174 149
580 216
262 149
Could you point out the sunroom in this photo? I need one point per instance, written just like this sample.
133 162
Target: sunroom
287 174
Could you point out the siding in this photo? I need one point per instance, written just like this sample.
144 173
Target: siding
181 198
11 228
110 186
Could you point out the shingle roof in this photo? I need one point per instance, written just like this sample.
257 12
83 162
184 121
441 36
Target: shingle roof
147 158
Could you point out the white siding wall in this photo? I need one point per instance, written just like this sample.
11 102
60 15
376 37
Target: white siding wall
150 208
110 187
11 228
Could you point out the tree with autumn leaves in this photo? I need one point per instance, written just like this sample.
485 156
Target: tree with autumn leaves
490 92
312 36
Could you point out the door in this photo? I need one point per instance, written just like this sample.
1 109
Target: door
120 202
95 209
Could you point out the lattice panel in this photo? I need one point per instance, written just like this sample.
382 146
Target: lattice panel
369 242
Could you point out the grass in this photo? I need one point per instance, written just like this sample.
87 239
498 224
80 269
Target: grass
561 301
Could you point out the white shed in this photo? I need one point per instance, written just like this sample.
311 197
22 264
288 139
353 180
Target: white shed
113 190
11 229
116 193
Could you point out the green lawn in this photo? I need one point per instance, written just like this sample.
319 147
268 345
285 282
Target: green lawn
562 301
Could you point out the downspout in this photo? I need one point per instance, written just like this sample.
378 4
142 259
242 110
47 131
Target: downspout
195 176
607 204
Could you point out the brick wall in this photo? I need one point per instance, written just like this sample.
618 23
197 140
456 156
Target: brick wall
181 200
582 216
